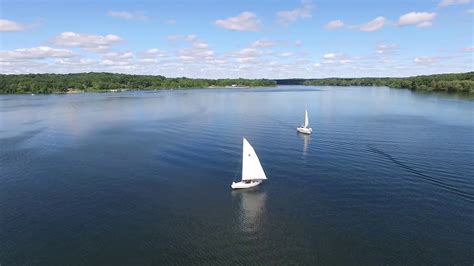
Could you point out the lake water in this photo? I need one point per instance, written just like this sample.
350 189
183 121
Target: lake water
142 178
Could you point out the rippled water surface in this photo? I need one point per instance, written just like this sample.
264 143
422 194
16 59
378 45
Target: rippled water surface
144 178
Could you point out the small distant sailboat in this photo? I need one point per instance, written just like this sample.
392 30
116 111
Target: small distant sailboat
304 128
252 171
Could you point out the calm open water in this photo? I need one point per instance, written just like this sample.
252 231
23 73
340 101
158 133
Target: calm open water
141 178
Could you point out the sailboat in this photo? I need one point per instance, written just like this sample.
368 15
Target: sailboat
252 171
304 128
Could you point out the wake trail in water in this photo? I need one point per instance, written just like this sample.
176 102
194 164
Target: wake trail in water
283 123
432 180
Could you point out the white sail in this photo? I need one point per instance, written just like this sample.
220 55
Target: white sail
306 120
251 167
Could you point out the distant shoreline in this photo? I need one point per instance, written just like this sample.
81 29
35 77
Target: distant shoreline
110 82
453 82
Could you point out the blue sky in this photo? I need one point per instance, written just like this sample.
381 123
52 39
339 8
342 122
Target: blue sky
251 39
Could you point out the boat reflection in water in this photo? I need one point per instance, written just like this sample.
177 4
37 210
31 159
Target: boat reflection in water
306 142
252 209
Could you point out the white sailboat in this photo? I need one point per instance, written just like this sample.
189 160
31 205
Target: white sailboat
252 171
304 128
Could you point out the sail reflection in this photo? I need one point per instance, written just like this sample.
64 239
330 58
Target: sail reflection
252 209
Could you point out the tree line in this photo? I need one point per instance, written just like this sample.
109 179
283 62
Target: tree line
458 82
58 83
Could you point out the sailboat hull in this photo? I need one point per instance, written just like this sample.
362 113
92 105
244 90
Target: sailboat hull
242 185
304 130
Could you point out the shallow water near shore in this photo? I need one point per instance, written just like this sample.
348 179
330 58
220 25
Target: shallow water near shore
143 177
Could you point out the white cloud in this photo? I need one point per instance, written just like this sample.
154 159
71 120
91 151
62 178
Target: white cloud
135 15
298 43
262 43
249 52
152 53
245 21
200 45
196 50
384 48
425 60
11 26
42 52
286 54
148 61
468 49
180 38
110 62
286 17
170 21
336 58
87 41
76 62
373 25
470 11
421 19
117 55
335 24
425 24
329 56
445 3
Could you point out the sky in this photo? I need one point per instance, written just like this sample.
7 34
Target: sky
230 39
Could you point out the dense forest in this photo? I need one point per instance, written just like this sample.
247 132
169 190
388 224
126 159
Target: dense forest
61 83
58 83
460 82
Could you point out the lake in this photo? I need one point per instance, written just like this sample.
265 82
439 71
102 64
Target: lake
143 178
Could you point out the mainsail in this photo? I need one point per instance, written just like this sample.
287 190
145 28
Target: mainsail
251 167
306 120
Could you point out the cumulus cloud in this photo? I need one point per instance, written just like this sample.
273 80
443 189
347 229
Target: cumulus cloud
420 19
249 54
468 49
135 15
195 48
11 26
91 42
148 61
445 3
335 24
180 38
118 55
245 21
262 43
373 25
425 60
42 52
286 54
329 56
336 58
286 17
384 48
76 62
